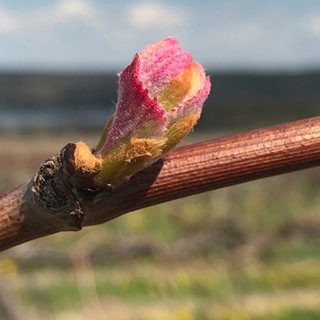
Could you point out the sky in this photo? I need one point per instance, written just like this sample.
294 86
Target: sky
104 35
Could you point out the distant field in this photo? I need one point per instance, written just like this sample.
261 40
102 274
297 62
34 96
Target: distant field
237 100
250 251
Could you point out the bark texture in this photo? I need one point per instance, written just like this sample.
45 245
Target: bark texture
54 201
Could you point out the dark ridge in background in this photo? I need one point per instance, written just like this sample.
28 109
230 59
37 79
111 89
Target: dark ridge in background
237 100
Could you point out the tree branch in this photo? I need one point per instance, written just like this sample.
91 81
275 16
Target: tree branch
49 204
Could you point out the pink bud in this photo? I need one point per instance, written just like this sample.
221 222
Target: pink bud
160 98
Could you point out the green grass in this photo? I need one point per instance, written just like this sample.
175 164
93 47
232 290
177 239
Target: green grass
246 252
294 314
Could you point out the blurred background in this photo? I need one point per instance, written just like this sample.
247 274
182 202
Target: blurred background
245 252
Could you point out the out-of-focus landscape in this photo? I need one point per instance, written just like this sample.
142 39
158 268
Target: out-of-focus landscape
250 251
71 101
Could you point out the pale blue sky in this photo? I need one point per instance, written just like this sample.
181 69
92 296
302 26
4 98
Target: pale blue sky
100 35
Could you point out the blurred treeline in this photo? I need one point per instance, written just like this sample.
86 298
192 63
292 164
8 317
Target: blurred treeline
237 100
